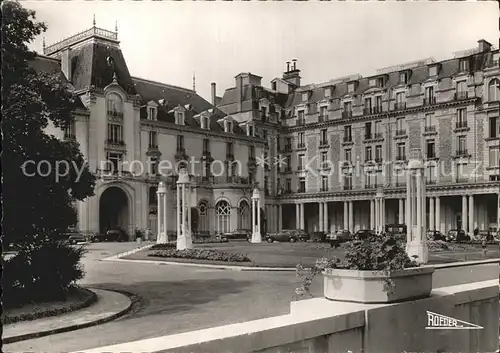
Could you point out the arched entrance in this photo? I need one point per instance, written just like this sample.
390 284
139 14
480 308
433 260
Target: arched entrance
114 210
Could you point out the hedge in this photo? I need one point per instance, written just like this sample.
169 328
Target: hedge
201 254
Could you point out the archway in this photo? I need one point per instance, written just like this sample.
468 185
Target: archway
223 209
114 210
244 215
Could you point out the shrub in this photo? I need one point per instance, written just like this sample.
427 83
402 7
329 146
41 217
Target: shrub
375 253
165 246
41 272
201 254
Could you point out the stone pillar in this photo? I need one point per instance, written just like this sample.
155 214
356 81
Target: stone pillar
401 219
302 223
409 220
346 215
372 214
256 236
179 210
297 216
417 244
161 193
384 216
377 215
471 214
320 210
280 217
438 214
464 213
326 217
253 217
184 240
351 217
431 214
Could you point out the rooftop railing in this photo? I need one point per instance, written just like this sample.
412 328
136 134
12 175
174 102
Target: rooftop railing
94 31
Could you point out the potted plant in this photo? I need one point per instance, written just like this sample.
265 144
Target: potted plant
376 269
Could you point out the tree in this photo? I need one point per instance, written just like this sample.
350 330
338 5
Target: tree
36 206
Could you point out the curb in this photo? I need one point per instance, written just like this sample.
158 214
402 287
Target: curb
216 267
27 336
125 253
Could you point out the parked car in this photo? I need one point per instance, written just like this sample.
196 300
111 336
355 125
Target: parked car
74 236
302 234
117 235
239 234
457 235
487 235
363 234
396 230
435 235
286 235
339 236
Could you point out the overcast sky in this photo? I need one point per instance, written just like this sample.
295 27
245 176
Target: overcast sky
168 41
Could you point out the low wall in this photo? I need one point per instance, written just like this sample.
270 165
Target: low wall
320 325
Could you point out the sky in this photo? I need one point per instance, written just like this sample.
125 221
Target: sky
168 41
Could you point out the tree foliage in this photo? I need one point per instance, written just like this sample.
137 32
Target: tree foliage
35 206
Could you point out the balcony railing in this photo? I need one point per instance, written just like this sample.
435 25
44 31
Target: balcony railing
115 113
429 181
368 136
323 143
378 135
462 152
430 129
347 139
399 105
69 136
228 179
347 187
401 132
367 111
115 142
347 114
301 189
400 184
461 95
401 158
301 122
461 179
378 159
229 156
377 110
461 124
322 118
301 145
429 100
430 156
153 146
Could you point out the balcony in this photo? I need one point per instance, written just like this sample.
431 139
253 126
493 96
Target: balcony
461 95
252 164
461 126
229 156
400 133
301 145
301 122
115 144
347 139
347 187
323 143
347 114
181 154
429 100
462 153
323 188
231 179
367 111
429 130
461 179
373 136
301 190
322 118
115 114
287 149
430 181
377 110
399 105
378 159
401 158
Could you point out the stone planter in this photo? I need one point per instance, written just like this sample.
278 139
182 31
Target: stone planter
369 286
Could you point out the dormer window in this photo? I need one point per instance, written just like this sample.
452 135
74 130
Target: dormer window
204 121
380 82
250 130
433 70
228 126
463 65
372 82
305 97
328 92
403 77
179 118
114 105
350 87
151 113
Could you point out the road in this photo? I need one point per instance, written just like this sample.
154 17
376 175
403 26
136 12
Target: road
176 299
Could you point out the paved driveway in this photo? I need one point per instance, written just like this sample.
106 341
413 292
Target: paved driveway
176 299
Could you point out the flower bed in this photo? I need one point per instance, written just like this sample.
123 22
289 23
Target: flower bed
440 245
77 298
200 254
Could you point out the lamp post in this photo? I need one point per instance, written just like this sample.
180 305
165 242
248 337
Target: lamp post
256 236
379 211
184 240
161 212
416 244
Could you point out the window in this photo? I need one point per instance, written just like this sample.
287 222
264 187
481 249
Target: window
462 86
377 127
461 145
430 174
301 142
206 146
494 90
115 133
370 180
378 103
250 130
463 65
368 154
244 215
400 97
350 87
153 139
301 161
402 77
347 182
400 122
368 130
179 118
462 117
205 122
324 183
433 71
301 115
380 82
151 113
288 162
324 160
251 152
401 151
429 93
153 197
348 155
228 126
378 153
266 185
69 130
263 113
348 107
372 82
289 142
494 160
400 175
264 134
368 105
114 162
305 96
347 133
229 149
322 112
223 210
328 92
430 149
114 105
429 120
154 166
180 143
302 184
494 127
324 137
203 217
288 185
274 86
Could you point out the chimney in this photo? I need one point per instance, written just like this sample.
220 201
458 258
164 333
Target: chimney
213 94
484 45
66 63
294 64
287 66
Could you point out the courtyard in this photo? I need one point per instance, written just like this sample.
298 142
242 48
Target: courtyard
172 299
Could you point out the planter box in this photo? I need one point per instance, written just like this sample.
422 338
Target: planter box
368 286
